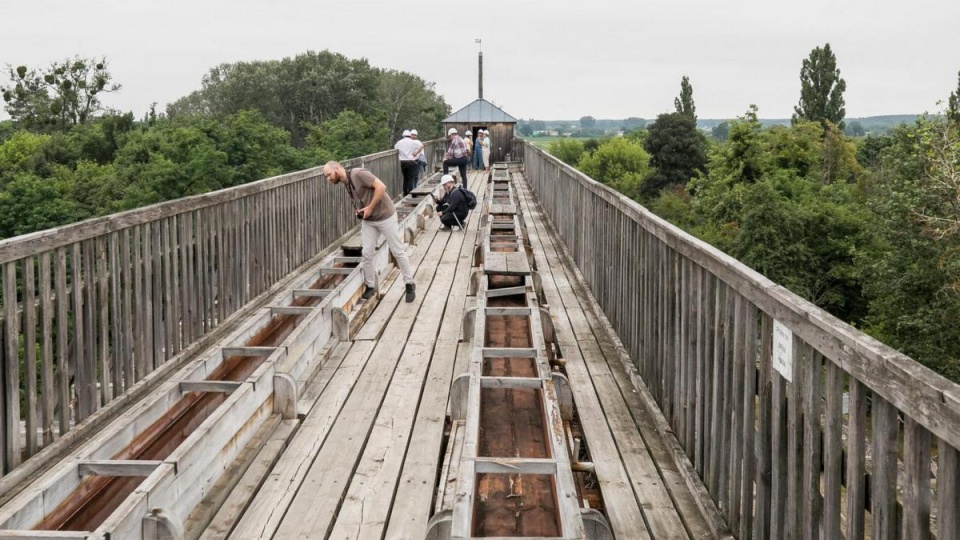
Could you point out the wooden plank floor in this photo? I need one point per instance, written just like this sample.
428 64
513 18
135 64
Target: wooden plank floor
366 458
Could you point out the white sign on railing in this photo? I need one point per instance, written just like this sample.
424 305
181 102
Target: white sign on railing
783 350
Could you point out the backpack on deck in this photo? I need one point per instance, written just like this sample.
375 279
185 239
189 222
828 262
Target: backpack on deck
471 198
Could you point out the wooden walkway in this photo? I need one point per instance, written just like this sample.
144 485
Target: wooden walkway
366 457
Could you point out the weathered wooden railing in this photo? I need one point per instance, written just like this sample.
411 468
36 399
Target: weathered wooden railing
97 305
798 424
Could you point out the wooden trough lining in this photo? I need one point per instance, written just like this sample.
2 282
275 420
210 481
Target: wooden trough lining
512 417
295 323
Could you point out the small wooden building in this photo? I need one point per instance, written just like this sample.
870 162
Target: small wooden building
481 114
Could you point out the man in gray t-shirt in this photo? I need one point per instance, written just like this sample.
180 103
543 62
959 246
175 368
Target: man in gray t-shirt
374 207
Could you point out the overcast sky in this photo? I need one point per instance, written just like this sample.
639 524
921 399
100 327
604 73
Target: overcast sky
549 60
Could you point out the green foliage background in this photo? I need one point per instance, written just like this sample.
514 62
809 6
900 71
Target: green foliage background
865 227
249 121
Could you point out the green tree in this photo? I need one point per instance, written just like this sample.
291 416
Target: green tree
854 129
537 125
67 93
348 135
568 151
684 103
525 129
29 203
169 162
587 122
869 149
633 123
677 152
821 89
304 90
22 153
254 148
409 102
953 104
721 132
618 163
910 272
772 200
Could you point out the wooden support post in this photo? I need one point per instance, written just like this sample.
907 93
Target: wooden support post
248 351
475 276
440 526
469 318
341 324
537 284
595 525
223 387
549 335
117 467
564 397
506 291
285 396
459 391
291 310
160 524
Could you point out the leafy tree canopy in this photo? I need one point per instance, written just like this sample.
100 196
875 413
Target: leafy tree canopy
619 163
953 104
64 94
304 91
568 151
821 89
684 103
677 151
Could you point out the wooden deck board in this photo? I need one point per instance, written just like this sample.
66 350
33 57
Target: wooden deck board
365 461
370 497
411 506
315 505
506 263
639 434
269 507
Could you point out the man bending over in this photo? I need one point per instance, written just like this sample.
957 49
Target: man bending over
375 208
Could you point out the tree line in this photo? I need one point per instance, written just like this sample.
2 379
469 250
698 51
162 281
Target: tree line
867 228
65 156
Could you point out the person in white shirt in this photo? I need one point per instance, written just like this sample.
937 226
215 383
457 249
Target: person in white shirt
408 150
486 149
422 158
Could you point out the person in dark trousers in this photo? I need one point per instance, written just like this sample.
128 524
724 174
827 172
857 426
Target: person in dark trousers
478 151
453 206
408 150
374 207
457 155
422 158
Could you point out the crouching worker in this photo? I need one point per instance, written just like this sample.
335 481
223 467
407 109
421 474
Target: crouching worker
375 208
453 205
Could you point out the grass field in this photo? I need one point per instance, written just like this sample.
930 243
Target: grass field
544 142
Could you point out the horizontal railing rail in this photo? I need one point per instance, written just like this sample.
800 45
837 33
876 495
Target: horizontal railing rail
89 309
795 421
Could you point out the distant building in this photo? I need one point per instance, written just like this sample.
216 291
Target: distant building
481 114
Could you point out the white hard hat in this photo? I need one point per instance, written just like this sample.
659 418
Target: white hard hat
406 133
446 179
452 131
413 132
469 133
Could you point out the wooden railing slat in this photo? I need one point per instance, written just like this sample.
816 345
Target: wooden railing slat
701 375
916 481
948 484
30 354
46 350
